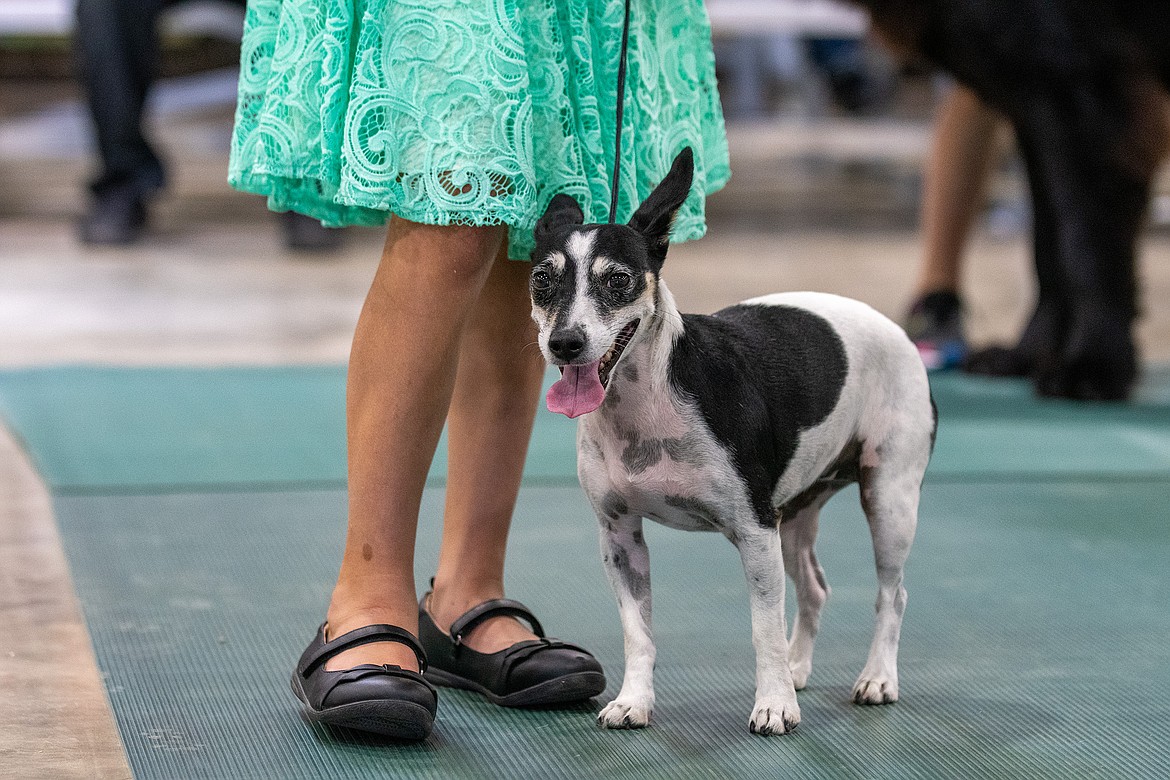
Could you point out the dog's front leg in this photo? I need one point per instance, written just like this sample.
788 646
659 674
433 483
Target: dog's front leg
776 710
627 562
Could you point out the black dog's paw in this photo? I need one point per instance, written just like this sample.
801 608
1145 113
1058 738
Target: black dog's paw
1087 378
1042 337
1098 363
999 361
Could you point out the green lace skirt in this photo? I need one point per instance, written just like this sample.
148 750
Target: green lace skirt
472 113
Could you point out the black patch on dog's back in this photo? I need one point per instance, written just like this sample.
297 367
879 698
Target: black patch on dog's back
760 375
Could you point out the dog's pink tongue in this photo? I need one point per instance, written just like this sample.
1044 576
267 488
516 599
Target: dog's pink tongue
577 392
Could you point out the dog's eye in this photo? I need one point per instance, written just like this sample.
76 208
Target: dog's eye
619 280
541 280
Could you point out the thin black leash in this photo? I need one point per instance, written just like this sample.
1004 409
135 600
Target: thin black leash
621 104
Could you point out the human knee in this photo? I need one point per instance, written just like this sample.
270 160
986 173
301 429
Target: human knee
459 250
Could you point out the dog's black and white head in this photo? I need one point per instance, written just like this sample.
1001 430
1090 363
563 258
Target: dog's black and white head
593 286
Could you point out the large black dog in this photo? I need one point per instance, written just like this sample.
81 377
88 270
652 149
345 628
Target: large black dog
1083 83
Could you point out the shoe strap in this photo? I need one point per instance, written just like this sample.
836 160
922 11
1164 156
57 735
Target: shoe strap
378 632
370 670
463 624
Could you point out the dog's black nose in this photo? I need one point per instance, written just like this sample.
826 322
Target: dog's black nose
566 343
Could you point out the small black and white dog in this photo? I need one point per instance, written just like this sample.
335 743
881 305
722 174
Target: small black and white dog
743 422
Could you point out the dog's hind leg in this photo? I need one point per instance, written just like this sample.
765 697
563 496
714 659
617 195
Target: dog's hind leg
776 710
627 563
1043 336
889 497
1092 147
798 535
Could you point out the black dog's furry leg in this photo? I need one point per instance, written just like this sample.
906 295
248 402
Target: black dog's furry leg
1088 175
1042 338
1082 82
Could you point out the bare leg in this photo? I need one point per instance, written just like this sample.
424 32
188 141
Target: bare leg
956 172
489 425
401 378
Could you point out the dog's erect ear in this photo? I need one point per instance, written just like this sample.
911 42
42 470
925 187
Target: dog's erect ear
655 216
563 211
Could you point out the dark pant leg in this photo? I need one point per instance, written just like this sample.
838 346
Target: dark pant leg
117 55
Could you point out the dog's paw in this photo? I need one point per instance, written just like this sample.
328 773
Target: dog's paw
774 716
1098 361
1106 376
875 690
626 714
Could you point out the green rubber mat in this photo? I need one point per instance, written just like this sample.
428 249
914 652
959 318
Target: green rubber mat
1034 643
94 430
203 516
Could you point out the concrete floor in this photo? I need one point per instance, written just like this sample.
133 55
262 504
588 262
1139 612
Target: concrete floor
55 721
828 207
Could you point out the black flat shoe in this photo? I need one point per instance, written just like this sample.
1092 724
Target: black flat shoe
387 700
536 672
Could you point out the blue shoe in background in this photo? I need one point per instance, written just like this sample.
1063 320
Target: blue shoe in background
935 325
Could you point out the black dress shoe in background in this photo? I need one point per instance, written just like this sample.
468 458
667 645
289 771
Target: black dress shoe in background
116 217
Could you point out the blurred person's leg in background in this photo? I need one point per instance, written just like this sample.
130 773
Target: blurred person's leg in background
118 53
856 85
954 186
